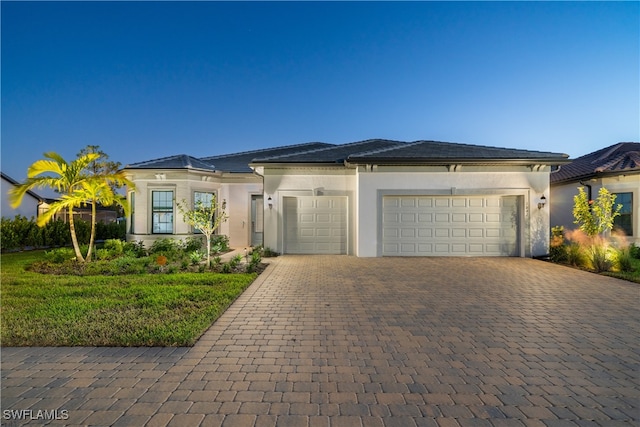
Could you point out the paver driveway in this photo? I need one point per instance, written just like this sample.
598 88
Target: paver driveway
344 341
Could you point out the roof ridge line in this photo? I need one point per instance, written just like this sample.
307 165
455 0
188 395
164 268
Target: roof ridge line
263 150
159 158
333 146
382 150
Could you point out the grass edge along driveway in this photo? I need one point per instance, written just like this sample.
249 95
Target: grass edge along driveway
129 310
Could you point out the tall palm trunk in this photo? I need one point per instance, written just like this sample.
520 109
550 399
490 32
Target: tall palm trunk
93 230
74 239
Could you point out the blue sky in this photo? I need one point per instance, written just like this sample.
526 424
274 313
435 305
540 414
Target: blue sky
150 79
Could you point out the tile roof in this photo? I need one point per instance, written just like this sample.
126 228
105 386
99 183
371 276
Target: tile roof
239 162
437 152
620 158
332 153
180 161
368 151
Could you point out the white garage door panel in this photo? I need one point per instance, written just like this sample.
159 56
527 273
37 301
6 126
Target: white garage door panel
450 225
315 225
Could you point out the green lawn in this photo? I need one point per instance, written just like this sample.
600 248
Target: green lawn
130 310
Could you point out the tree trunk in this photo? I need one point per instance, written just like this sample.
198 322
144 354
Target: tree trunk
208 250
93 230
74 239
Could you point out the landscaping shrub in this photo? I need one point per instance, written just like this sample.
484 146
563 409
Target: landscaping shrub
56 233
575 255
8 237
221 242
192 244
18 233
167 247
103 254
269 253
58 256
558 249
598 256
114 247
111 230
21 233
134 249
624 259
196 256
254 262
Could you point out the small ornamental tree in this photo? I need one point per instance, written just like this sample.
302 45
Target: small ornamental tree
595 219
595 216
206 217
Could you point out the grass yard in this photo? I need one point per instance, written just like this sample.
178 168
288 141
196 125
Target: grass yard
128 310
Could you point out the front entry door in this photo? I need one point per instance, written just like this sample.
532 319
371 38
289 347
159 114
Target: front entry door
257 219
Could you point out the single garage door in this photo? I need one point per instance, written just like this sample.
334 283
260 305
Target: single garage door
315 225
450 225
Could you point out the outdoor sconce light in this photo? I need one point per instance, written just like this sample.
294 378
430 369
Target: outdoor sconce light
270 203
542 201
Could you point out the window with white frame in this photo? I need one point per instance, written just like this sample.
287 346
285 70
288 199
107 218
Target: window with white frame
624 221
162 211
206 198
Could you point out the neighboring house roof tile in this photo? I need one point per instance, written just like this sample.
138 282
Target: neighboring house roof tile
333 153
239 162
437 151
180 161
621 158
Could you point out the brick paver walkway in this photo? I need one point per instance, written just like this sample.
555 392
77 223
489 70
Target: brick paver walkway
343 341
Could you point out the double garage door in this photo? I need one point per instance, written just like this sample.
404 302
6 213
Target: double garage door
450 225
411 225
315 225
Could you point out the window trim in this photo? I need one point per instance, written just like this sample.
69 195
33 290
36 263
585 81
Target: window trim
214 193
630 214
172 211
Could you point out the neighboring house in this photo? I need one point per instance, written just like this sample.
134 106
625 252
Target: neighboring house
617 168
103 214
31 205
369 198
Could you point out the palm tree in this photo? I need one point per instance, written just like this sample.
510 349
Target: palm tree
77 186
64 177
99 190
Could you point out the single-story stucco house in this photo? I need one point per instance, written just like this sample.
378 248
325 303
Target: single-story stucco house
617 168
369 198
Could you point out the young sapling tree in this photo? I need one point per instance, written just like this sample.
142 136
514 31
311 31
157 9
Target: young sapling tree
205 216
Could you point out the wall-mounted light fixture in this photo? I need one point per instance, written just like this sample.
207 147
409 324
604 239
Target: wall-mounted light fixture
542 201
270 203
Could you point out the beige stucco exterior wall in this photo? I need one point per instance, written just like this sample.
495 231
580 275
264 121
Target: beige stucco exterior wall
364 187
562 199
520 181
310 181
234 188
238 198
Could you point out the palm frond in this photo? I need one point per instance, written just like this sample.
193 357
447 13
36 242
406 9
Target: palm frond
44 166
